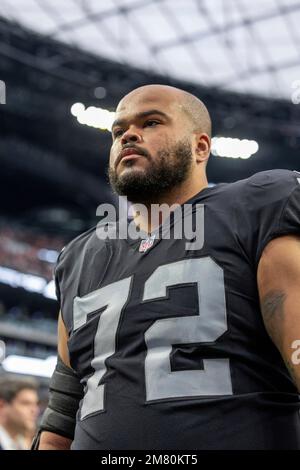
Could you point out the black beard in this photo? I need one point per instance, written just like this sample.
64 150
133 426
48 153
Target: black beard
170 169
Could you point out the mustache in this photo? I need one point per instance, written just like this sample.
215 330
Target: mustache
139 151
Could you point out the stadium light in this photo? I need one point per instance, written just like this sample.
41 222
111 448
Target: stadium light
49 290
30 365
233 148
77 108
29 282
48 255
92 116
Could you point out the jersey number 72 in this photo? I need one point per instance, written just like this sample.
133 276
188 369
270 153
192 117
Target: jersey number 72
207 326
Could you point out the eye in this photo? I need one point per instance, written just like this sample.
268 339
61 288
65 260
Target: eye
151 123
117 133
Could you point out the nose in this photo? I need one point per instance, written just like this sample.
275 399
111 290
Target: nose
131 135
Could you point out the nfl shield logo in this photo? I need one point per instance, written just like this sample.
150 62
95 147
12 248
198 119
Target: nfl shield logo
146 244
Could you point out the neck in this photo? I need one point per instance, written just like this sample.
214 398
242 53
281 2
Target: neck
178 195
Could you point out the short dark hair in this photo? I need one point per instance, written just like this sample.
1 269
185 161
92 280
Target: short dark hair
11 386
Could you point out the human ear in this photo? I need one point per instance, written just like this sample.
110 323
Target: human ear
203 144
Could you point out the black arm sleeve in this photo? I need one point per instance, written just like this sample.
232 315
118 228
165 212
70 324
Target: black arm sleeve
65 393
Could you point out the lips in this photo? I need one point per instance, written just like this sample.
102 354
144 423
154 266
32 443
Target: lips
127 152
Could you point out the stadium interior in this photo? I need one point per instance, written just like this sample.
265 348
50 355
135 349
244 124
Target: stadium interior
57 69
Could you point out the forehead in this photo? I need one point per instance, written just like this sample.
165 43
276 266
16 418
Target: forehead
26 394
139 101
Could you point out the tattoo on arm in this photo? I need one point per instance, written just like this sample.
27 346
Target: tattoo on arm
272 308
273 312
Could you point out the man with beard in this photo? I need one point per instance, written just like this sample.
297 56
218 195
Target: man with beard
164 346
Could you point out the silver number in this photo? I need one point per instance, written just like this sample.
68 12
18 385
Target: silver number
113 297
207 326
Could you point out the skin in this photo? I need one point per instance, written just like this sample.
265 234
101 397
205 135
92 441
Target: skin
278 280
154 132
19 416
278 275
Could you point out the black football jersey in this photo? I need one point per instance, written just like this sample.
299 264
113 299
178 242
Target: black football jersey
169 341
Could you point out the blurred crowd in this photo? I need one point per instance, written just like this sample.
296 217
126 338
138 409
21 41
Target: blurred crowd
31 252
23 251
26 321
20 315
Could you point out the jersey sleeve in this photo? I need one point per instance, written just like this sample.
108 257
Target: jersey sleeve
271 209
72 272
67 276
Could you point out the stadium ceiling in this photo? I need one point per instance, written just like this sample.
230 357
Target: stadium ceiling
237 45
49 160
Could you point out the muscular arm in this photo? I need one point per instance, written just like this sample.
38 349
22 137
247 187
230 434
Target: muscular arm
278 279
49 440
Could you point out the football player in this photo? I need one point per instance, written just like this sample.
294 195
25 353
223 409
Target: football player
168 345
